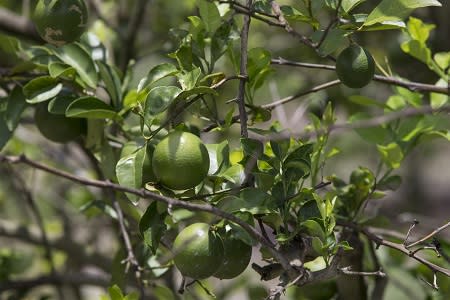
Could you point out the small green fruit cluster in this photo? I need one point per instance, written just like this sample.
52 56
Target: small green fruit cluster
201 253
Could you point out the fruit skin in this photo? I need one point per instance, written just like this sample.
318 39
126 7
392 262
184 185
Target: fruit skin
180 161
58 128
60 21
198 251
237 255
355 67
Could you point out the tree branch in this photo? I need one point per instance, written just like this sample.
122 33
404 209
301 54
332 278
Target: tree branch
428 236
413 86
243 73
18 25
399 247
150 195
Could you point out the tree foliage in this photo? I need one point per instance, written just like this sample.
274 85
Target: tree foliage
216 69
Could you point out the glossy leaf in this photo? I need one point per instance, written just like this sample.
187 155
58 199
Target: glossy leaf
91 108
111 78
74 55
59 104
157 73
129 171
152 227
15 106
391 154
59 69
159 99
41 89
210 15
218 157
334 39
393 10
375 134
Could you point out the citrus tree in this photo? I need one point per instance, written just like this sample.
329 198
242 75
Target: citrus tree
199 149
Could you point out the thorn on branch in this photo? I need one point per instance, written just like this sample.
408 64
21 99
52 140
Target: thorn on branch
434 285
411 227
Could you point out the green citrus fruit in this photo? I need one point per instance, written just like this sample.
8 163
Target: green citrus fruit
58 128
237 255
60 21
180 161
198 251
355 66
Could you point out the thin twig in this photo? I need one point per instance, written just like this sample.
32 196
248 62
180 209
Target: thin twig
243 73
413 86
348 271
428 236
399 247
150 195
288 99
330 25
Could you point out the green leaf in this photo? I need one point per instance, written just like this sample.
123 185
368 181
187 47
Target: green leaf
41 89
334 40
297 164
129 171
314 229
210 15
5 133
15 106
188 80
390 183
258 60
252 147
256 201
235 174
394 10
366 101
115 293
438 100
292 15
159 99
91 108
111 78
157 73
59 69
219 157
59 104
152 227
376 134
74 55
442 59
163 292
391 154
198 90
348 5
184 57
